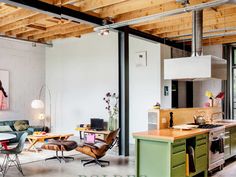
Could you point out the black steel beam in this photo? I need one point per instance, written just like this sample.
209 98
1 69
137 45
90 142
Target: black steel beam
56 11
157 39
123 39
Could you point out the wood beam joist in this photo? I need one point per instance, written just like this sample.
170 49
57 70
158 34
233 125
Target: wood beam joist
18 31
128 6
220 40
55 11
15 16
153 9
38 27
23 22
183 19
67 35
51 28
59 2
90 5
212 24
60 30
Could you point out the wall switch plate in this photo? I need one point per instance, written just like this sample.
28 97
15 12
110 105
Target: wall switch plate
163 120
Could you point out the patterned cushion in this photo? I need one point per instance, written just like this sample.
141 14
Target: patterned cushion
21 125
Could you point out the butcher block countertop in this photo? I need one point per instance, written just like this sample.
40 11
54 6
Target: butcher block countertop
169 134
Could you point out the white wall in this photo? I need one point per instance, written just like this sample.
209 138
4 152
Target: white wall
26 65
213 85
79 72
145 83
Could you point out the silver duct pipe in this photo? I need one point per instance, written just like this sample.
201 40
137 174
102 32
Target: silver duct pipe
197 33
165 14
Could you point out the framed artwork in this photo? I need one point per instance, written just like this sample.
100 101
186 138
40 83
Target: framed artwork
4 90
141 59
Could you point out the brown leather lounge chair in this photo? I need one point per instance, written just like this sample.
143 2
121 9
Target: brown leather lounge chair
99 149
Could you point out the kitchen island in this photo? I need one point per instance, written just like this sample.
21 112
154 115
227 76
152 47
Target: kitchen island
162 153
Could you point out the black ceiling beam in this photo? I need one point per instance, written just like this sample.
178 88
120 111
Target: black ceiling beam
70 14
56 11
157 39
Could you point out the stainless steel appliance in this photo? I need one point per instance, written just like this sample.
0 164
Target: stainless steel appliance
217 132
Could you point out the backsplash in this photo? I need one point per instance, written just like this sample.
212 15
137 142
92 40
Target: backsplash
181 115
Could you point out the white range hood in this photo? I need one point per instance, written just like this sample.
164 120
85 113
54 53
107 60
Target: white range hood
195 68
198 66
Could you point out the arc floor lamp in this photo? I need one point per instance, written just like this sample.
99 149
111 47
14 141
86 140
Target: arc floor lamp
39 104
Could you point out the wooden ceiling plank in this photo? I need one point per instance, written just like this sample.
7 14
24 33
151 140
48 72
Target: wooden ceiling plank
61 29
128 6
220 40
68 35
38 27
51 28
208 25
90 5
23 22
187 17
18 31
154 9
15 16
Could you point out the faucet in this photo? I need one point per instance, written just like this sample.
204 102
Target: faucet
216 113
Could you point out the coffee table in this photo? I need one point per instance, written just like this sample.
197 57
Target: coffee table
34 139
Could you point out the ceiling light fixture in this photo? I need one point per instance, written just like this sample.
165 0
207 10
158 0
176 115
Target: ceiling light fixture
104 32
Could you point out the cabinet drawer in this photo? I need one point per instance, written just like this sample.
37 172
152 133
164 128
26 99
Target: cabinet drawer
179 171
227 140
179 148
199 137
178 159
201 150
227 152
201 163
200 142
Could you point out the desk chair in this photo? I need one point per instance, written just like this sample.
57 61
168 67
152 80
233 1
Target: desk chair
99 149
11 156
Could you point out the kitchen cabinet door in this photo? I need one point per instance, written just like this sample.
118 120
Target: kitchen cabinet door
233 141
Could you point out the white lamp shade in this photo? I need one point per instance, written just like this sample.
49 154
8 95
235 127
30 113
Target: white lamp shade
37 104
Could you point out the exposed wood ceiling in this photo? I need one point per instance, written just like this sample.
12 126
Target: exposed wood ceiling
30 25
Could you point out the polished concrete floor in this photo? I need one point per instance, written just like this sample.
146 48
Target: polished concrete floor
119 167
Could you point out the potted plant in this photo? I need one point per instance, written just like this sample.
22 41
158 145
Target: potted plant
111 101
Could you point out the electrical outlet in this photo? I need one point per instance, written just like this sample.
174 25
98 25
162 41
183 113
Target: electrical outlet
163 120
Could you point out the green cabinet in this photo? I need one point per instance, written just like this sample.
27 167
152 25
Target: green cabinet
178 158
161 158
233 141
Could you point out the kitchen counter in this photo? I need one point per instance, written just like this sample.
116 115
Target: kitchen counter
227 123
169 135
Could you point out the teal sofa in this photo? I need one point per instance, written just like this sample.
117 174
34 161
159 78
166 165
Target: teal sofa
18 134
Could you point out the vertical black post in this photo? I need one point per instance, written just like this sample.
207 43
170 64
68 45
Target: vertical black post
124 92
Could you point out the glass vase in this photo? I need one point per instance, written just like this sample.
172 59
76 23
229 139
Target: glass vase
111 124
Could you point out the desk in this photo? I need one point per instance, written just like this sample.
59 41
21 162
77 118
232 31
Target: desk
99 134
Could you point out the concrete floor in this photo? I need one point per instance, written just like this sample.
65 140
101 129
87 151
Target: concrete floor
120 166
